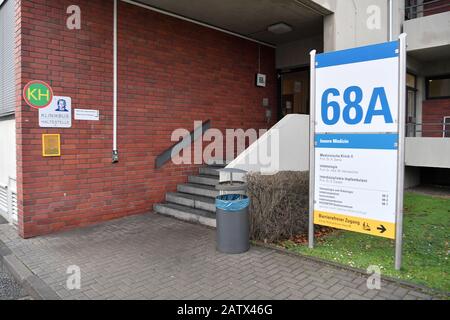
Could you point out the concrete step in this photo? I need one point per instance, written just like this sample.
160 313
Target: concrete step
186 213
195 200
218 162
204 179
210 171
198 189
192 201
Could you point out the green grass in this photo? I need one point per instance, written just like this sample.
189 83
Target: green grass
426 229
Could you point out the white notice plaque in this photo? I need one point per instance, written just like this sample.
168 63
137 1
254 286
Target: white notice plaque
58 114
87 114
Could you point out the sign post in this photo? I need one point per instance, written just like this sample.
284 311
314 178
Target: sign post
401 152
312 125
357 140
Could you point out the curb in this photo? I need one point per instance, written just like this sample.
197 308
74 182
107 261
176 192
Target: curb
431 291
34 285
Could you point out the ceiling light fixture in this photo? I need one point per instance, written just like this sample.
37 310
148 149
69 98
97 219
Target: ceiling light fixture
279 28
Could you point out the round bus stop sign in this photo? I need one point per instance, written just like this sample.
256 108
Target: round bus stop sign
37 94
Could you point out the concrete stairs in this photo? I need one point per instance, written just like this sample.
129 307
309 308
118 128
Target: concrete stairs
194 201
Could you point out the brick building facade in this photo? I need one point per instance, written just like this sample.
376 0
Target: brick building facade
434 111
170 73
180 62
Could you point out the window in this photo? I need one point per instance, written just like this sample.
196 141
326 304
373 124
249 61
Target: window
411 93
411 80
446 127
7 62
438 87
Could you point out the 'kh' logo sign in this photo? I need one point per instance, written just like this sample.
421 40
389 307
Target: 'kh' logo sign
37 94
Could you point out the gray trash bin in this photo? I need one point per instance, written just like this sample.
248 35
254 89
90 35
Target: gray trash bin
232 223
232 186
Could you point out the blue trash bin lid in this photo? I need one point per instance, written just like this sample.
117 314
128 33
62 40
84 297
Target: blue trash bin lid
232 202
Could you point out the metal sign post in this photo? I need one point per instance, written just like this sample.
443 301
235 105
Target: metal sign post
401 152
312 121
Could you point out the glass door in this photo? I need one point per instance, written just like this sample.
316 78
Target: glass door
294 92
411 118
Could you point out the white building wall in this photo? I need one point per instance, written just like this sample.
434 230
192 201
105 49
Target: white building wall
7 149
8 168
353 23
285 147
427 152
428 32
359 22
296 53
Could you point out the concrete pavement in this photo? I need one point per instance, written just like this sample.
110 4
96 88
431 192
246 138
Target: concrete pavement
155 257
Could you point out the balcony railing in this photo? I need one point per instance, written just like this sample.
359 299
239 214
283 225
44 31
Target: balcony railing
421 8
8 200
428 129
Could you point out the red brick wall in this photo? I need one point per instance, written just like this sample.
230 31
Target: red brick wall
171 72
433 113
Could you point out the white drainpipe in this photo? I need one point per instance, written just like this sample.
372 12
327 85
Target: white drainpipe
115 152
391 18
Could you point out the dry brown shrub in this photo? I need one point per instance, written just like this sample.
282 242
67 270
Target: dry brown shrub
279 205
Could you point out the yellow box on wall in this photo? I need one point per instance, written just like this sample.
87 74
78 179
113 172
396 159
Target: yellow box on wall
51 145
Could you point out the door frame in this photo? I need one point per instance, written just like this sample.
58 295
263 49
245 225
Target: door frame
280 73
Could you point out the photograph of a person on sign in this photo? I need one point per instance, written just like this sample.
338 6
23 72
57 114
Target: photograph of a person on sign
61 105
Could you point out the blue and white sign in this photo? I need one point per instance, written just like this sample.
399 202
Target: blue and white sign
357 89
58 114
356 138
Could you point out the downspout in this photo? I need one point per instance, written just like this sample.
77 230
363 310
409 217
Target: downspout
355 18
391 18
115 152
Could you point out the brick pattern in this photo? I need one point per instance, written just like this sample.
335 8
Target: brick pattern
433 112
155 257
171 73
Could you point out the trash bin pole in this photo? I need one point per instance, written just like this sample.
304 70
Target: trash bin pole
233 231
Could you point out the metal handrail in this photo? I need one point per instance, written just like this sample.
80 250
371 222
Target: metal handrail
166 155
11 193
415 130
428 123
413 11
422 4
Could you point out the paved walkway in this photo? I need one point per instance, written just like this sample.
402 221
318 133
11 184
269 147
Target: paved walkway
155 257
430 190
